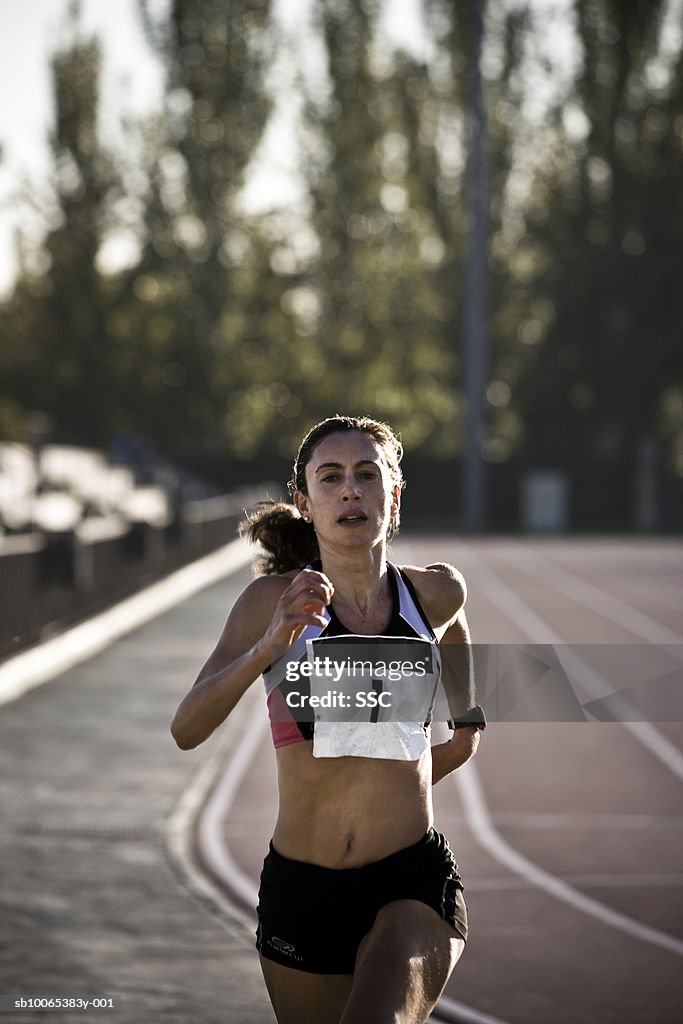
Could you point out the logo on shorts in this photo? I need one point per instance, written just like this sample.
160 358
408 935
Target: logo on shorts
286 948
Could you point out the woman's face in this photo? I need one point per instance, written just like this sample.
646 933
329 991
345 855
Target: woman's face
351 498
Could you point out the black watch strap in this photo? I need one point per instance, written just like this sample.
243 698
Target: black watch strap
475 716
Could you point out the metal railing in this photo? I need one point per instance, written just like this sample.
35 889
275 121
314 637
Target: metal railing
50 580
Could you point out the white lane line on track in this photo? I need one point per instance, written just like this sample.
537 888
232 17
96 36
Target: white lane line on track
612 881
637 622
467 780
589 820
563 581
538 631
180 827
47 660
211 823
479 820
216 854
509 603
452 1010
539 821
658 745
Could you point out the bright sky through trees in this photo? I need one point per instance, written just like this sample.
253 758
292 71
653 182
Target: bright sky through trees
132 85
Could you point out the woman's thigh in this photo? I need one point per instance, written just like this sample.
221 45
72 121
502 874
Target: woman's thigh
299 996
403 965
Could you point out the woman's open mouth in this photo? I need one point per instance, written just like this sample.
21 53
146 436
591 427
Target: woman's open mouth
352 519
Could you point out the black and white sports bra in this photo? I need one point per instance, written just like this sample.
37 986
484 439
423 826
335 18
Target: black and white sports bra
285 680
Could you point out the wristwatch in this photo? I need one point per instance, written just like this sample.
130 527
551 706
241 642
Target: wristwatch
475 716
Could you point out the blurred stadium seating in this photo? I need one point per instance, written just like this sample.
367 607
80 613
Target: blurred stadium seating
78 532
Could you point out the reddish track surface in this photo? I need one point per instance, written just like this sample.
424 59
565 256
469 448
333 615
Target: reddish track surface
588 803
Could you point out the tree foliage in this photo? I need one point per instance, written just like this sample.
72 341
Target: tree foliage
55 342
597 267
231 332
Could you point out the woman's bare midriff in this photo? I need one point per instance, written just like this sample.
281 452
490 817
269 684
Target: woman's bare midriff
344 812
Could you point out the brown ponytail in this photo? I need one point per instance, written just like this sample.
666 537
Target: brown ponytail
290 541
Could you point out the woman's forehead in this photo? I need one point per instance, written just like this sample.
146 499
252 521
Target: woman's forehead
347 446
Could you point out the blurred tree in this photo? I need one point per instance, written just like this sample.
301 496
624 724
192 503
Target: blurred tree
186 295
153 347
231 333
53 337
603 245
380 318
359 321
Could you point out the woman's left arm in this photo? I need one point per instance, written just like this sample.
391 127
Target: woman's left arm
462 745
443 592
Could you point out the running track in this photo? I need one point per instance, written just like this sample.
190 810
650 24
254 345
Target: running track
568 836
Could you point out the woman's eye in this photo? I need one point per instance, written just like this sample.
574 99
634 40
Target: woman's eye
330 478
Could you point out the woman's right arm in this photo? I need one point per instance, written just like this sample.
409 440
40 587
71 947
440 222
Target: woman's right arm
271 611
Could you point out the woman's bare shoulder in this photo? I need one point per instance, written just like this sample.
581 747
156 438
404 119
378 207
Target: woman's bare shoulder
265 589
441 589
249 618
259 598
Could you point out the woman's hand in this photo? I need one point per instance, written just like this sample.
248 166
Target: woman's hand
265 615
300 605
448 756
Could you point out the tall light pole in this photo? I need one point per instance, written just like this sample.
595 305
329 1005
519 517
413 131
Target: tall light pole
476 284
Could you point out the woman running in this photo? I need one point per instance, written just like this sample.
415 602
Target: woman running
361 913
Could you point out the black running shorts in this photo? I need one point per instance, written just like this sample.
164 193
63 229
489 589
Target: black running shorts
314 918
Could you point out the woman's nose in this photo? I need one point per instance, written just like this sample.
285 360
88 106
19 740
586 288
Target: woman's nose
351 489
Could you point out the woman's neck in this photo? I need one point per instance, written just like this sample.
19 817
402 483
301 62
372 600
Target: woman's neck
359 578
